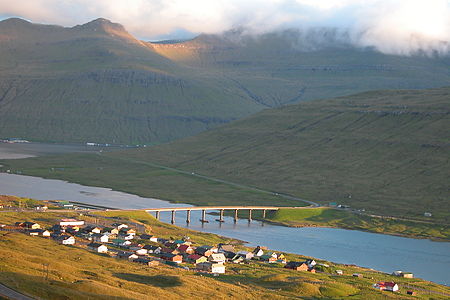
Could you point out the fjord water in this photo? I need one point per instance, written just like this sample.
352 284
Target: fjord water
426 259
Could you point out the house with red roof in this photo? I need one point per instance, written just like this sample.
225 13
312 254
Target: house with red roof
186 249
386 286
196 259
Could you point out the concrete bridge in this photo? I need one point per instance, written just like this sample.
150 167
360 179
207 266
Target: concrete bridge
221 210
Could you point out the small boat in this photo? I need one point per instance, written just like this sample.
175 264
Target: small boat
204 221
219 220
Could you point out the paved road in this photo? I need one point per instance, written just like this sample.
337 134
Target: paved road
12 294
285 196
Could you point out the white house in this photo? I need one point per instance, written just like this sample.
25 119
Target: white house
217 258
127 255
66 240
311 263
246 255
386 286
71 222
141 251
98 247
101 238
258 251
211 267
120 225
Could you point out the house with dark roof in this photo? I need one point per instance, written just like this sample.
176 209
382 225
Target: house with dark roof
298 266
126 255
152 249
30 225
172 257
97 247
211 267
66 239
203 250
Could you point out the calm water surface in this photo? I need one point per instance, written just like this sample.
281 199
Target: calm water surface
426 259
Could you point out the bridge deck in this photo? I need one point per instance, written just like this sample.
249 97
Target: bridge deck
212 208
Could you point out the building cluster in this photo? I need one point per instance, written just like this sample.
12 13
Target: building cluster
123 242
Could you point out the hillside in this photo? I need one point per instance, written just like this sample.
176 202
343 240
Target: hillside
44 269
96 82
384 151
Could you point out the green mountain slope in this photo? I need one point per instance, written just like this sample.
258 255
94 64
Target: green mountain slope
385 151
96 82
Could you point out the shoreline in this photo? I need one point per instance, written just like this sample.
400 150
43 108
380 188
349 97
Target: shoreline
278 223
275 223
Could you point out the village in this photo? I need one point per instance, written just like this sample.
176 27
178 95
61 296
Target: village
125 242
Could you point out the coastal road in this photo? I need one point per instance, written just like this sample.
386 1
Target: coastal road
274 193
12 294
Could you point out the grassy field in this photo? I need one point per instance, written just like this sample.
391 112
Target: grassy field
141 179
75 273
384 151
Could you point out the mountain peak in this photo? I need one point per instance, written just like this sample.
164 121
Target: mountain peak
102 24
15 22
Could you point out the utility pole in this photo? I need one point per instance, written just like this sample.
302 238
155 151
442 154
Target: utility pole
45 271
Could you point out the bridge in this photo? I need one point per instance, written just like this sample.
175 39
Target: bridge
221 210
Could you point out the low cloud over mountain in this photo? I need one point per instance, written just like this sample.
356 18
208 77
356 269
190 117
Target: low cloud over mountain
391 26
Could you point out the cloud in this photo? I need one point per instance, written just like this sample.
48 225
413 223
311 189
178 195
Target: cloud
391 26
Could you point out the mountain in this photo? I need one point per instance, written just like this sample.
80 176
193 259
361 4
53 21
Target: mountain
96 82
385 151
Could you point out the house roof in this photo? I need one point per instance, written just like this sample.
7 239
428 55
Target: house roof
167 250
94 245
183 248
227 247
168 255
386 283
195 256
145 236
150 247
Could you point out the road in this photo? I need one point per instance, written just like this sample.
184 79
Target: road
285 196
12 294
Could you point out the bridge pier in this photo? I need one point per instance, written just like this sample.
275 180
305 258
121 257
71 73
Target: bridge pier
264 214
250 215
235 215
221 216
157 215
188 216
173 217
203 220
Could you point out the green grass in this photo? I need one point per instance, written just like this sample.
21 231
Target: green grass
384 151
140 179
76 273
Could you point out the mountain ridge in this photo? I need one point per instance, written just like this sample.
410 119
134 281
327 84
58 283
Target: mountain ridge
104 75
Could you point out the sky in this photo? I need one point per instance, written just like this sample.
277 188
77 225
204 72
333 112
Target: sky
391 26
